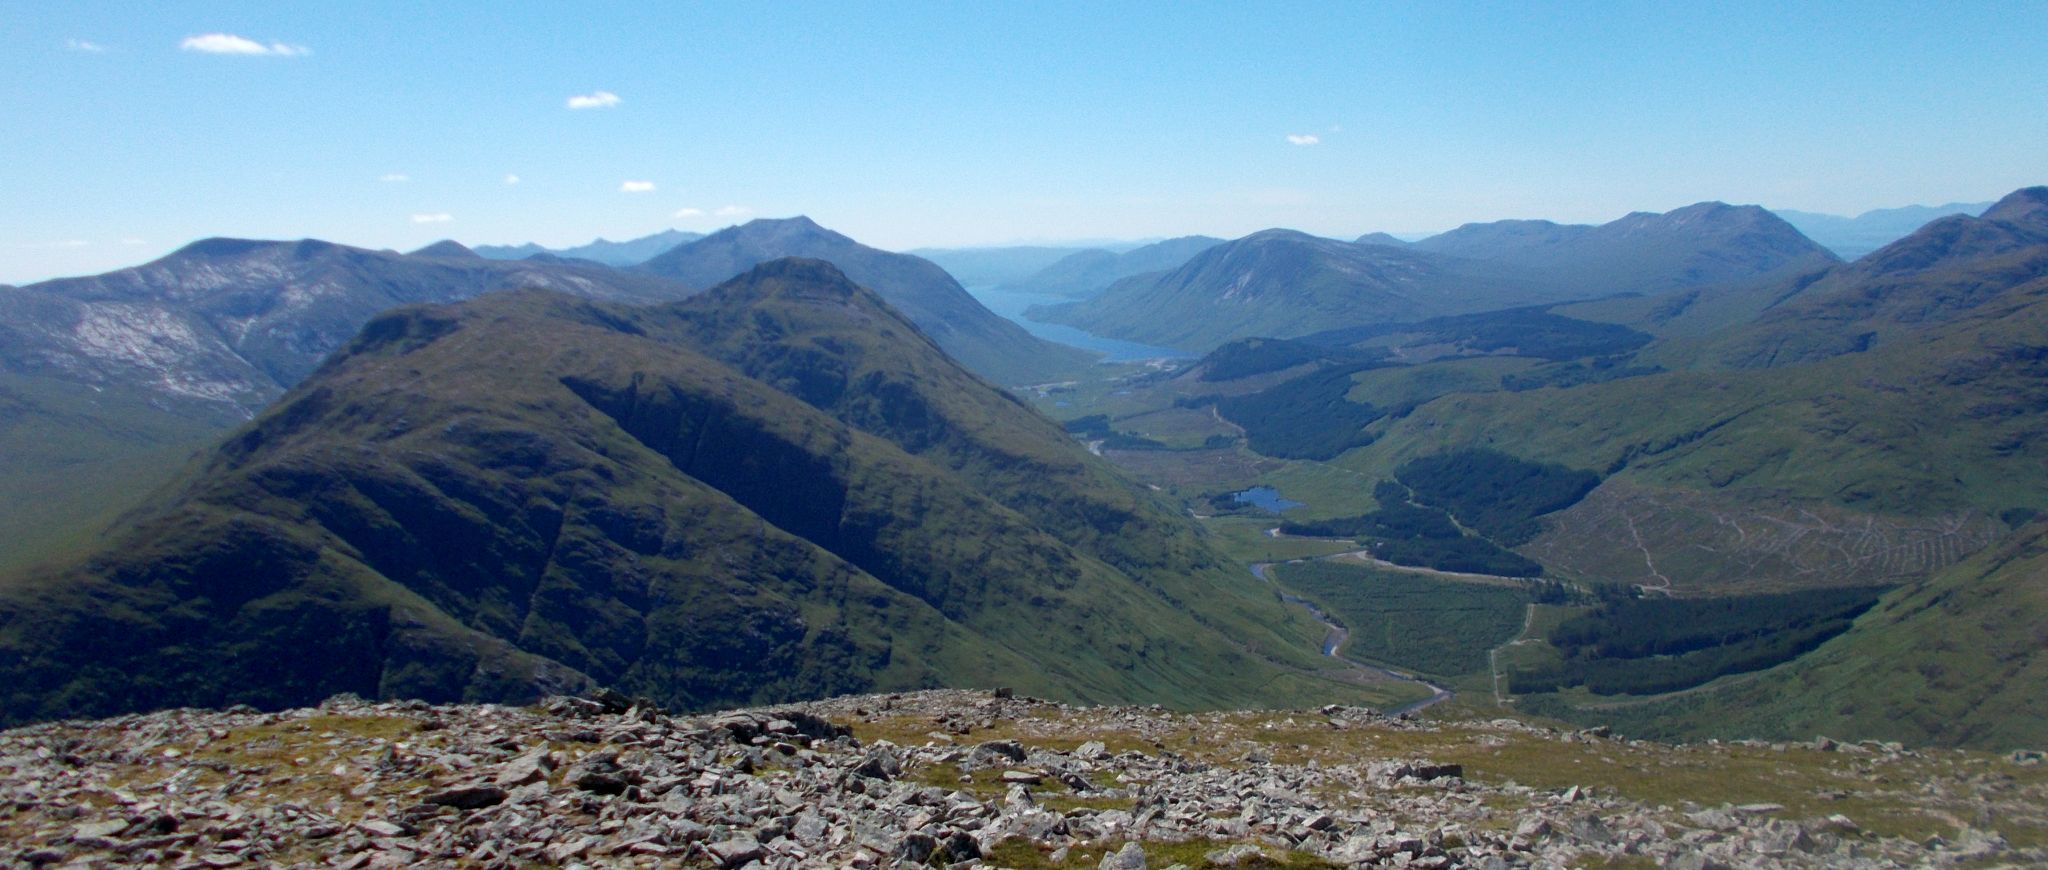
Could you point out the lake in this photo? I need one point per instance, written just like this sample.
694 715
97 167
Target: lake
1265 498
1011 306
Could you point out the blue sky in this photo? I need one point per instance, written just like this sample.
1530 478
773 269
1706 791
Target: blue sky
131 129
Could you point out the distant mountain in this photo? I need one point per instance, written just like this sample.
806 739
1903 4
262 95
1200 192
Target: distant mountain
628 253
1283 284
1381 239
778 489
987 267
1852 237
1086 273
232 323
987 344
108 381
445 248
1642 253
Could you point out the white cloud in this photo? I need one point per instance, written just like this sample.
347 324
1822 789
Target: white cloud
732 211
511 179
84 45
228 43
441 217
689 212
1303 138
394 177
594 100
636 187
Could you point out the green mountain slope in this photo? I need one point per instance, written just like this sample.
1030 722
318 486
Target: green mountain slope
113 379
1955 660
1938 274
986 343
528 492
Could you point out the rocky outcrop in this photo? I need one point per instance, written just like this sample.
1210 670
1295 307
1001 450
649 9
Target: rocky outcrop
611 782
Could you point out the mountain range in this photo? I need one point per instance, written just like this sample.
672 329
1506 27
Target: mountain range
1284 284
778 488
773 463
631 252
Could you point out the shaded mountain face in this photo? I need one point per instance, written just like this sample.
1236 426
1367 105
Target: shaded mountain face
1852 237
619 254
986 343
1703 244
226 325
780 489
1087 273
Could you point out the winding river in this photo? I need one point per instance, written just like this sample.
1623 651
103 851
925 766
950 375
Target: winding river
1334 640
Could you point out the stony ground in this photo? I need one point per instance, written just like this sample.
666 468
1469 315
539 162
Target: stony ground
975 778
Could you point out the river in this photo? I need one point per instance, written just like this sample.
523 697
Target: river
1334 640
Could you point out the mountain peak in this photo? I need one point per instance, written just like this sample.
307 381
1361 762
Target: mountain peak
1279 234
219 246
2028 205
804 278
447 248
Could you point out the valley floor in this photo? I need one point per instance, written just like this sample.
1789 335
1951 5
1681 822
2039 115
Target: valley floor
981 777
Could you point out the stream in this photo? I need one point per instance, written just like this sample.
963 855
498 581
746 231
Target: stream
1334 639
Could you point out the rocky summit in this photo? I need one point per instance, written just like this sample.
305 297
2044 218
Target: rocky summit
971 778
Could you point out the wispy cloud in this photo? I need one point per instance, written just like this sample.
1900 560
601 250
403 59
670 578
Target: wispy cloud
439 217
85 45
1303 138
594 100
64 243
228 43
732 210
636 187
689 212
511 179
394 178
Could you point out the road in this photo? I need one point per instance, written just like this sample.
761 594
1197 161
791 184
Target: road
1334 641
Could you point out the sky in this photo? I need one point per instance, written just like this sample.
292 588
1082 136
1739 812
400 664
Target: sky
131 129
